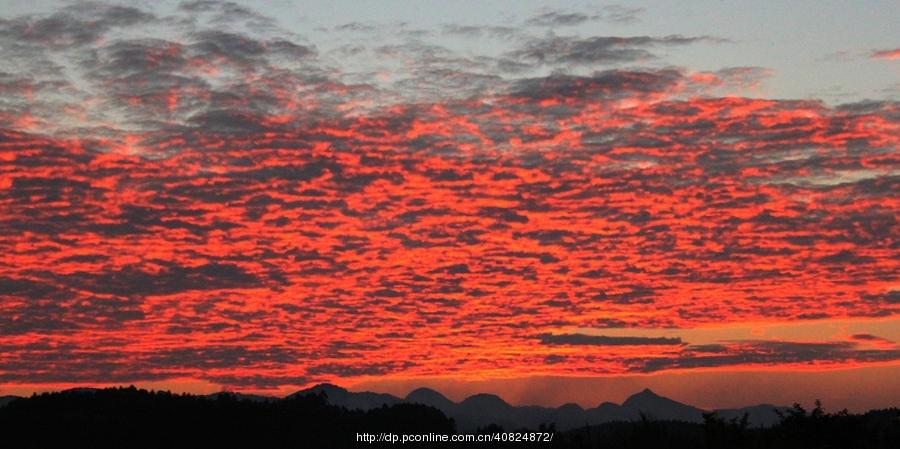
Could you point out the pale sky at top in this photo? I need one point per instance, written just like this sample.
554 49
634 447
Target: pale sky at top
814 49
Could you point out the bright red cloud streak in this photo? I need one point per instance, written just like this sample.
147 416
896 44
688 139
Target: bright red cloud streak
447 239
887 54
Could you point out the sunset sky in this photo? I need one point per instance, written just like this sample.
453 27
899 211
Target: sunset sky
552 202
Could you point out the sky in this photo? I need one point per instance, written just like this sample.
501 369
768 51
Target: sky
554 202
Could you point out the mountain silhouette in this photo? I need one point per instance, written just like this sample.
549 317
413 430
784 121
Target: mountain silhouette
7 399
483 409
136 419
656 407
429 397
113 418
483 402
570 416
354 401
607 412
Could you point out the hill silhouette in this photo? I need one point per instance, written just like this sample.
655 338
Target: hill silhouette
657 407
429 397
7 399
340 396
483 409
135 418
797 428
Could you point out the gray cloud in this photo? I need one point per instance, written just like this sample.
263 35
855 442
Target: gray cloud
766 353
362 369
75 25
615 14
559 18
622 14
604 340
132 280
495 31
556 50
605 84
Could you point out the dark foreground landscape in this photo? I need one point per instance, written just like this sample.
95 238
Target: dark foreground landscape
135 418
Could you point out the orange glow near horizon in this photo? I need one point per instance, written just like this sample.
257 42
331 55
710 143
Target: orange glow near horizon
855 388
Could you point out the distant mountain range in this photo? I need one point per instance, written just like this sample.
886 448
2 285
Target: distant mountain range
483 409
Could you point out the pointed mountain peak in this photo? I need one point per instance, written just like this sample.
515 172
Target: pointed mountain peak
646 393
661 407
647 398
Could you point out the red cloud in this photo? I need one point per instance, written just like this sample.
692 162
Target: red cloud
260 221
255 250
887 54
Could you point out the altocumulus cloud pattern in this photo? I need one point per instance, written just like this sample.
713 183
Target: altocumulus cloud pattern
202 194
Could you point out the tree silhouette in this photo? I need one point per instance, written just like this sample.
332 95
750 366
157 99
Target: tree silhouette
135 418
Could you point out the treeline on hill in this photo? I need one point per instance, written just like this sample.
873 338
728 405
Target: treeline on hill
798 428
133 418
129 418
